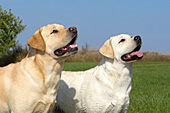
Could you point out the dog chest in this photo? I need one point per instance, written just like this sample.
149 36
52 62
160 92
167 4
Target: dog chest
103 99
45 105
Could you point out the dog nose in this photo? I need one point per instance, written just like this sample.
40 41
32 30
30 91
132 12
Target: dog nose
137 39
73 29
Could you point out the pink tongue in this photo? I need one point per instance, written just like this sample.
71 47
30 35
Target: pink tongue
72 46
139 54
69 46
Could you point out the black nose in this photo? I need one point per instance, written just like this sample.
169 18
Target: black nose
137 38
73 29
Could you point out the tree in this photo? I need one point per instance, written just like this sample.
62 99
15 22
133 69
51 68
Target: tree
10 27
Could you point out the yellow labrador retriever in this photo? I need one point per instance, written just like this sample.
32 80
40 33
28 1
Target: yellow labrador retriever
105 88
30 86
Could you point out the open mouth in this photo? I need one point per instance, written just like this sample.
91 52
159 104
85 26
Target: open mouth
70 47
134 55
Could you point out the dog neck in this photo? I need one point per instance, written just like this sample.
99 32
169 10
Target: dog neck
118 74
49 68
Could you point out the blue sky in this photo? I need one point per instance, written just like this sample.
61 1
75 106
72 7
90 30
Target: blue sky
97 20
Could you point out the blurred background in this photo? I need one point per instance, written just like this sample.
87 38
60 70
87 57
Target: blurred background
97 20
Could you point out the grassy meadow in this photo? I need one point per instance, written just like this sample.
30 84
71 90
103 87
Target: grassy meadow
151 85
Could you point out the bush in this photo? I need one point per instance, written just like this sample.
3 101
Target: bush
155 57
13 56
83 55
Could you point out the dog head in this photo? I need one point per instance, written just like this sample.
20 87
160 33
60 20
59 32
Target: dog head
55 39
123 48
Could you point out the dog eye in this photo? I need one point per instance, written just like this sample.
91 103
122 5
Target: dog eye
122 40
54 31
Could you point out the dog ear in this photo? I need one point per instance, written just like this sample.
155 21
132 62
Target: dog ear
37 41
107 49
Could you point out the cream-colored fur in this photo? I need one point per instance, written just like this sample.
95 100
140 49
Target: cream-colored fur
30 86
105 88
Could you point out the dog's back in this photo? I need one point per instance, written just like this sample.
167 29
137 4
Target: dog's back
70 90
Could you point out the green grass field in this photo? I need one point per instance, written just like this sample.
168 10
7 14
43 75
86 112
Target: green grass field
151 85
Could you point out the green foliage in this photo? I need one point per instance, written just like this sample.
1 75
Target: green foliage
10 26
13 56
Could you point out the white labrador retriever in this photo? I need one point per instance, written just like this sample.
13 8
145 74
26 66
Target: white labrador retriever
105 88
30 86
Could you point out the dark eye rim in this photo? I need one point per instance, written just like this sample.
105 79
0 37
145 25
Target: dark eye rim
54 31
122 40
